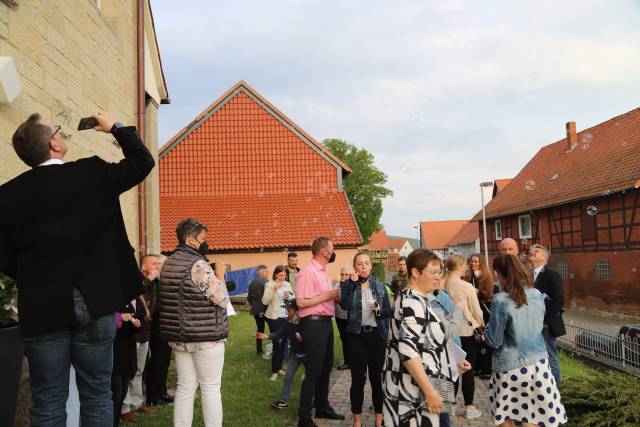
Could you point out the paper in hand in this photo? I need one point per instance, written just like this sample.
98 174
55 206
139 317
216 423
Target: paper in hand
230 310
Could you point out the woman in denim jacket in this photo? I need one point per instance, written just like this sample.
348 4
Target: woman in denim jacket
367 303
522 384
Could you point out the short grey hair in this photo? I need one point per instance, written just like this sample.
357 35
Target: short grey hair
542 248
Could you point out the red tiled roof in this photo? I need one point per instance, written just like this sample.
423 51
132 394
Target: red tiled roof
499 184
436 234
246 222
397 243
606 159
469 233
379 241
254 178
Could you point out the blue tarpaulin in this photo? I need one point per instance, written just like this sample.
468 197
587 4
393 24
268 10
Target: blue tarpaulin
242 278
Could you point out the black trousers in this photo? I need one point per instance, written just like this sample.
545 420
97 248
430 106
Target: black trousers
342 326
158 368
471 347
367 352
317 335
259 328
485 353
119 388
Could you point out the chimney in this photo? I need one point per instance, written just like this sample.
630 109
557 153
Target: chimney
572 137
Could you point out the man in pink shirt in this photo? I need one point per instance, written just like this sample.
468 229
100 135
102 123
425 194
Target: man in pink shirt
316 301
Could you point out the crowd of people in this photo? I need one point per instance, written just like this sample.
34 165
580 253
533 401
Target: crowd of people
418 341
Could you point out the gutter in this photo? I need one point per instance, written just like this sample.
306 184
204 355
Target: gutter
140 117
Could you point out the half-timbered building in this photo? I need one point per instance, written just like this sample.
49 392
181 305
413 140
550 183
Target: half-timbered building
580 198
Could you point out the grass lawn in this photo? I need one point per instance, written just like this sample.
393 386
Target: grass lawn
246 389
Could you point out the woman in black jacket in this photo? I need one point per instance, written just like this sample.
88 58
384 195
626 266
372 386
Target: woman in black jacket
124 356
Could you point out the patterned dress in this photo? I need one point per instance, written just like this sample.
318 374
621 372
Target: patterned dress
416 331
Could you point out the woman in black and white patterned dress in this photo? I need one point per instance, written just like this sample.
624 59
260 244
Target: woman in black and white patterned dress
523 388
417 339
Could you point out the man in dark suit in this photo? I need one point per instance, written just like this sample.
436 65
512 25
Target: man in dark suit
254 298
549 283
62 236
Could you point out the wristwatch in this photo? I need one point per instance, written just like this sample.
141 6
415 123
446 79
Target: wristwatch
116 125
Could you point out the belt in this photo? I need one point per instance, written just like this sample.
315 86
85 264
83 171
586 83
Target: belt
318 317
368 329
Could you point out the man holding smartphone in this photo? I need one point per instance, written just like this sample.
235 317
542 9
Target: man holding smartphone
64 220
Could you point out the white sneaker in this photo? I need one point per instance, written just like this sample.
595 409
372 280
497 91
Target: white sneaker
472 413
282 372
274 377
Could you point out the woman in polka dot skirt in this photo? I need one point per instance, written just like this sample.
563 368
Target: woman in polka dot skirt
523 388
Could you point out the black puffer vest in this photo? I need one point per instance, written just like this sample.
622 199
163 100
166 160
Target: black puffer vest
186 315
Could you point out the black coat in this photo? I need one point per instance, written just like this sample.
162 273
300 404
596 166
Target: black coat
61 227
254 296
549 282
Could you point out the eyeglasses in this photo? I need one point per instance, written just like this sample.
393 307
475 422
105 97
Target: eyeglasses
57 129
435 273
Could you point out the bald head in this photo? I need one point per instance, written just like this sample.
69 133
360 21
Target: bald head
508 246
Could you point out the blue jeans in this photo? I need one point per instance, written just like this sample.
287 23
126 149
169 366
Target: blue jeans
554 362
294 362
88 346
445 420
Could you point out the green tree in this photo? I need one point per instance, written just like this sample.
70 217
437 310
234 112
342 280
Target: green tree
364 185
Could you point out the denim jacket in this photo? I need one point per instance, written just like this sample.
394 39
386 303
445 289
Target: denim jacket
516 333
351 300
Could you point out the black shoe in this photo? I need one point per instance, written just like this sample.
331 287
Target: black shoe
307 423
342 367
279 404
485 376
166 399
329 414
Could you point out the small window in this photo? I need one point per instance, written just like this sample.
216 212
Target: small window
603 269
524 226
563 268
497 224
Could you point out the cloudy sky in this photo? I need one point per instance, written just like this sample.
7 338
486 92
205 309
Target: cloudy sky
445 94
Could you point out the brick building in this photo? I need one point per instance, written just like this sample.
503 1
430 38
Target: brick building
579 197
260 183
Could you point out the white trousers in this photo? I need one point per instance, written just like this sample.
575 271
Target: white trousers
202 368
135 397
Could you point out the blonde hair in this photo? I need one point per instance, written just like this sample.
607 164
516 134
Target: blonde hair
452 263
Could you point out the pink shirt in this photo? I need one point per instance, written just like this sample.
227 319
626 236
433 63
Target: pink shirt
311 281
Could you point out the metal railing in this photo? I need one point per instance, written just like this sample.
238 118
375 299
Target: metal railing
618 351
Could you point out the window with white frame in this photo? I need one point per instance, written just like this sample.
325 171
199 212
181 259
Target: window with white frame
524 226
497 225
603 269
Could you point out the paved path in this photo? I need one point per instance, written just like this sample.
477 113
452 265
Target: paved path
339 398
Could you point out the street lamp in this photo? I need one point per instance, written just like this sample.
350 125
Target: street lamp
483 185
417 234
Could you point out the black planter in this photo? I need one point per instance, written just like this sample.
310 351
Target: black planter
10 370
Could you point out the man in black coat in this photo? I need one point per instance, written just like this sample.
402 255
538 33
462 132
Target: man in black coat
63 238
254 298
549 283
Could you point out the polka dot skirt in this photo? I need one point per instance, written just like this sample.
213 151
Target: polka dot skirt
528 394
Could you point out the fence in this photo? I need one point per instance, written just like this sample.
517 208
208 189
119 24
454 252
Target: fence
620 351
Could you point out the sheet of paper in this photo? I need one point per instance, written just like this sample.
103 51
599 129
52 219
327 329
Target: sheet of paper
230 310
456 354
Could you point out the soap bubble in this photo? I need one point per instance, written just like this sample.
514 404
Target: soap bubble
533 75
554 177
586 138
257 232
585 146
592 210
406 167
261 193
308 200
414 118
606 192
261 250
530 185
339 231
237 233
270 175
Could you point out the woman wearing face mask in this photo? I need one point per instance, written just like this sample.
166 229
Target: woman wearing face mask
192 302
464 293
417 340
481 278
276 294
367 304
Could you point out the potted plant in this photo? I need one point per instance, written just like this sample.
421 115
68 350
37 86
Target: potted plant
11 349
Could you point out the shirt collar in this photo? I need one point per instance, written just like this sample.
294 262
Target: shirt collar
52 162
538 270
317 266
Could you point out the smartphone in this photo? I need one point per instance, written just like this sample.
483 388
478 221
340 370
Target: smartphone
87 123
